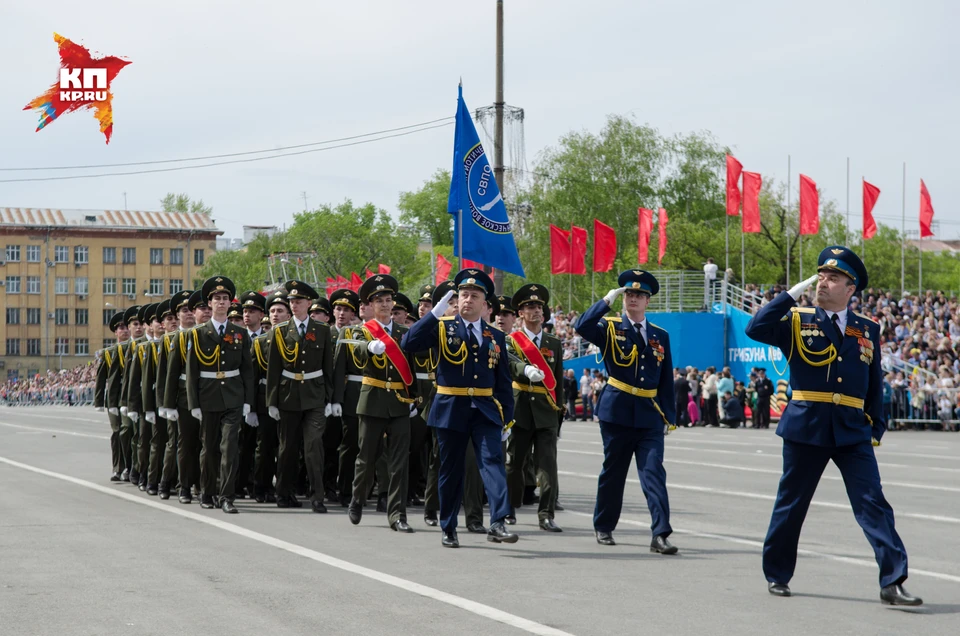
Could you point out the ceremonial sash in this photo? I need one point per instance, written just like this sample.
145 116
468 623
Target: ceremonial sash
393 352
536 358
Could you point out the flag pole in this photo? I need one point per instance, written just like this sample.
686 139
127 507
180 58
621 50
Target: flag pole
460 235
743 256
787 216
726 260
593 285
848 198
903 231
570 293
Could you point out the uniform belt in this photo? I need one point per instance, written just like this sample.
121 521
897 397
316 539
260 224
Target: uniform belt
426 376
354 378
302 376
463 390
219 375
183 376
531 388
263 381
632 390
830 398
380 384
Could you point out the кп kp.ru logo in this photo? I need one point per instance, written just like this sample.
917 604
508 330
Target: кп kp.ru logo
85 82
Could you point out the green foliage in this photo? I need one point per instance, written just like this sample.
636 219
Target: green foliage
426 209
181 203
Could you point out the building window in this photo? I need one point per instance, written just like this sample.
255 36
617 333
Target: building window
61 254
81 285
62 285
63 316
33 348
13 346
129 255
33 284
176 256
156 256
109 255
109 286
13 315
33 315
176 286
81 255
198 257
130 286
81 347
13 253
33 253
156 286
13 284
82 316
107 315
61 347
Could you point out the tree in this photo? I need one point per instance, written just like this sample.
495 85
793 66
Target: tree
426 209
247 268
181 203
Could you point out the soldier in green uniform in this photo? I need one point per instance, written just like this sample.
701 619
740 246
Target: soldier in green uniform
321 310
171 328
299 389
107 391
129 429
156 443
219 393
235 314
252 307
538 396
265 459
347 379
387 400
141 357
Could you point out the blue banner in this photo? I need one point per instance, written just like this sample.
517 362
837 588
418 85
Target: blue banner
474 195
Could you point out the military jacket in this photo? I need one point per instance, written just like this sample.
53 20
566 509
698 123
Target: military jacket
219 371
260 355
175 384
348 374
292 359
116 361
375 401
537 409
130 391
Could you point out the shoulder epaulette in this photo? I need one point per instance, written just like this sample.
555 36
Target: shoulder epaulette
804 310
282 324
447 317
657 326
867 318
494 328
612 318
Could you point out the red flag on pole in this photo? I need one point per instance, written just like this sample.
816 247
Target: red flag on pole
734 168
809 206
383 269
604 246
644 226
751 202
926 211
355 281
443 269
578 250
662 231
870 195
559 250
368 273
331 286
342 282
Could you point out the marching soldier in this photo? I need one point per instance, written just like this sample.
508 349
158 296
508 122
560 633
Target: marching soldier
386 403
348 378
111 368
253 306
421 437
506 318
235 314
299 388
538 394
171 327
265 458
129 429
160 317
142 356
638 406
835 413
320 310
219 393
474 401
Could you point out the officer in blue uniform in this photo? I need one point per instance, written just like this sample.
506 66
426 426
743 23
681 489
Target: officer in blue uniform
637 407
474 399
835 412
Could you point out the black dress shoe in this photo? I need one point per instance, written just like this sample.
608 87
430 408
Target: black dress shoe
414 501
510 520
332 496
185 497
164 494
430 517
498 533
125 475
152 491
283 502
318 506
450 540
896 595
206 502
115 477
476 528
142 486
779 589
550 525
662 546
355 511
605 538
133 477
382 503
400 525
227 506
557 506
260 497
293 502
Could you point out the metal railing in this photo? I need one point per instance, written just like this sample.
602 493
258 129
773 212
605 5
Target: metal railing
681 290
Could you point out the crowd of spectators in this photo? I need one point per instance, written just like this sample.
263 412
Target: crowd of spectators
70 387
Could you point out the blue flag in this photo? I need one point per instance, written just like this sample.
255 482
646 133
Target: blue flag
487 235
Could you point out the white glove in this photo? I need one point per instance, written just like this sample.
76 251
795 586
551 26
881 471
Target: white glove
533 373
376 348
123 410
150 416
336 410
197 414
113 411
797 290
134 416
413 411
173 415
441 307
164 412
327 410
99 409
274 412
246 410
252 420
612 295
666 429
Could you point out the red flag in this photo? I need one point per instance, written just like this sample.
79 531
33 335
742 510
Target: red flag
926 211
342 282
734 168
559 250
368 273
443 269
662 230
604 246
331 286
751 202
644 226
578 250
383 269
465 263
809 206
870 195
355 281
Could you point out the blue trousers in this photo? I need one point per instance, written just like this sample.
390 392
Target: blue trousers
620 445
485 437
802 467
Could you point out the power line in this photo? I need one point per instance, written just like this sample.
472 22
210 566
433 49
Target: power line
224 163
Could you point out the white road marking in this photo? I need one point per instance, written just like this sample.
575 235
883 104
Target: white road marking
53 430
485 611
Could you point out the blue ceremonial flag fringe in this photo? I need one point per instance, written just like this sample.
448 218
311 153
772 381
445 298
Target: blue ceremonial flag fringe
487 235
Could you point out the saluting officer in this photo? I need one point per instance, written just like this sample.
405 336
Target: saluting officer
835 412
348 378
110 374
265 459
637 407
129 427
252 306
171 328
538 393
474 401
299 388
219 393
